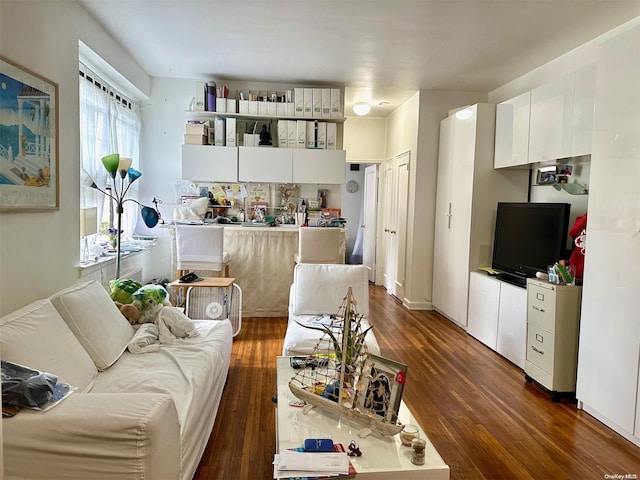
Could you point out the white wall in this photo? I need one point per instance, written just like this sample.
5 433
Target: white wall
365 139
39 252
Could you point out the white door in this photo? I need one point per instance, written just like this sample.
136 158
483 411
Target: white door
399 232
369 215
388 222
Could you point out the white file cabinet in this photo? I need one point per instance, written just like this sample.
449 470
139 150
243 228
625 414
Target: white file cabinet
553 321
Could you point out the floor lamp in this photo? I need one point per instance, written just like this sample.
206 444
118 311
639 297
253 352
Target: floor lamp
122 177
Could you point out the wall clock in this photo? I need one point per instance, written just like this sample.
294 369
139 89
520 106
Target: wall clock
352 186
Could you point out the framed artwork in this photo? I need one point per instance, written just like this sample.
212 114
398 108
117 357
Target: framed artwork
380 387
28 140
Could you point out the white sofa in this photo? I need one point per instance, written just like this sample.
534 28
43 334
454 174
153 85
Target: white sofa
133 416
316 293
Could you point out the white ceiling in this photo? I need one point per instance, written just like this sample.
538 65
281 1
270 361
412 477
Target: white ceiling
381 50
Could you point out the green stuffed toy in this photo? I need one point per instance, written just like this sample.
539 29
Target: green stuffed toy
150 299
122 290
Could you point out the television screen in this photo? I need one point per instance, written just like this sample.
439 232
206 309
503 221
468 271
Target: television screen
529 237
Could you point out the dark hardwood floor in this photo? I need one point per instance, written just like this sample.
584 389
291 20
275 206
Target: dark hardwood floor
483 418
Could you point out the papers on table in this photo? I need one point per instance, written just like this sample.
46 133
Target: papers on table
290 463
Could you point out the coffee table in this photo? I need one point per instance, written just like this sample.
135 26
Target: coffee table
382 457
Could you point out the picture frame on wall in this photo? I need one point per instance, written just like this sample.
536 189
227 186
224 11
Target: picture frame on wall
380 387
28 140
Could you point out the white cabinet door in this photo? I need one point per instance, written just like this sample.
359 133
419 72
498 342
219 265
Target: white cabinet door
512 323
441 293
484 301
264 164
609 348
550 131
399 231
319 166
206 163
512 132
583 110
387 260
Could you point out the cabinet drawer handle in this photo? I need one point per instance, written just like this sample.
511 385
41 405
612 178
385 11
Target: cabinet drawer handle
541 352
541 310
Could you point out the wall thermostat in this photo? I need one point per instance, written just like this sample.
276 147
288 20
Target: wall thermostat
352 186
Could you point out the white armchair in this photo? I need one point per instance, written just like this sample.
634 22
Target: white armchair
316 293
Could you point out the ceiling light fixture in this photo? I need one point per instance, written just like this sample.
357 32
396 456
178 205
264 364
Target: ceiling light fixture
361 108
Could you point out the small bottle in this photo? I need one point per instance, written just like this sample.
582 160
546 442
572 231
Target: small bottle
417 455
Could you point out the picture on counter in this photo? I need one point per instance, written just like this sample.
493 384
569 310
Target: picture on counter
565 170
380 387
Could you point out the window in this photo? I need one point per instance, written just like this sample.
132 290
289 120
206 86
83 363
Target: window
109 123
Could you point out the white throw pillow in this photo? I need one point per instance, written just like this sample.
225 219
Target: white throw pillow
36 336
95 321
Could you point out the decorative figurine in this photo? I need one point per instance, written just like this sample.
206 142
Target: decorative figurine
265 136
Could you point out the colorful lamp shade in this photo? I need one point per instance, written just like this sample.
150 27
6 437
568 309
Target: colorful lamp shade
123 166
150 216
111 163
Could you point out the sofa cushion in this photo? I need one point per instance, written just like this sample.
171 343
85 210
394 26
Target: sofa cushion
95 320
36 336
320 288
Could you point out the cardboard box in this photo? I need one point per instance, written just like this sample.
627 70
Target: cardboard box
283 133
308 102
326 102
317 103
298 101
281 109
291 109
218 130
230 125
301 135
243 106
231 105
253 107
272 108
322 135
190 139
336 103
311 133
263 108
196 129
332 133
292 131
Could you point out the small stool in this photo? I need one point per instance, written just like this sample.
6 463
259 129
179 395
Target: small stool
213 298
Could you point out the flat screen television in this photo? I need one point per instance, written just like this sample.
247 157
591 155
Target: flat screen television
528 238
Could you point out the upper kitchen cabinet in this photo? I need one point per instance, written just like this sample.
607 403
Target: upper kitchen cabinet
206 163
583 110
512 132
550 121
562 117
264 164
319 166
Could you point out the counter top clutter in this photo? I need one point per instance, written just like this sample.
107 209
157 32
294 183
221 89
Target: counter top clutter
131 416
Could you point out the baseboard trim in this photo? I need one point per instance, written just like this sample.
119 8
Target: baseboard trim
411 305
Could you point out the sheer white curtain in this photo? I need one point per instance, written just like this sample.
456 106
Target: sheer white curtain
107 126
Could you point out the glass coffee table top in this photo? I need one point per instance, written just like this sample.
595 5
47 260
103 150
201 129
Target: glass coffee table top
381 456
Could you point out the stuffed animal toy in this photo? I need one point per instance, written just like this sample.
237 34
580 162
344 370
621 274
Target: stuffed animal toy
150 299
122 290
130 311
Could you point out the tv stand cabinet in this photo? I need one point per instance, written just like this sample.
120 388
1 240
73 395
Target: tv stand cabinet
497 315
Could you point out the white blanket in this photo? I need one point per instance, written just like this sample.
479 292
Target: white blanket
170 324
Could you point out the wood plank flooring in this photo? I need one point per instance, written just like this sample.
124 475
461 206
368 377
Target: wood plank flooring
483 418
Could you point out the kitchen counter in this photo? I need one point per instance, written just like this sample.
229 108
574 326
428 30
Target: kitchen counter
262 261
